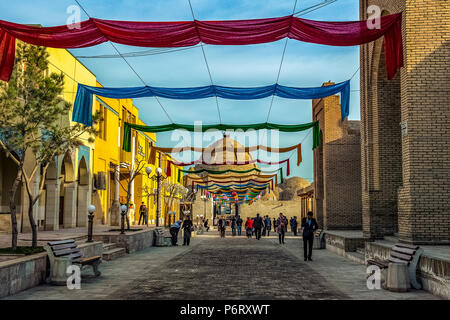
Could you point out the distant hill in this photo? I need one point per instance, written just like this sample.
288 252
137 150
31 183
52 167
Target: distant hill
287 190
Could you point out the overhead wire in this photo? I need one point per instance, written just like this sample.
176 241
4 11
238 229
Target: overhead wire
129 65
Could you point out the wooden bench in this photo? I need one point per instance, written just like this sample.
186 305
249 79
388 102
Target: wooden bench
65 253
406 254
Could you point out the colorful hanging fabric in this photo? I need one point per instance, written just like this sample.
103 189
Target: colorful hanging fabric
82 108
240 177
237 163
230 170
237 149
234 186
188 33
126 145
234 182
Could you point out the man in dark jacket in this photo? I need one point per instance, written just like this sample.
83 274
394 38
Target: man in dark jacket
309 225
187 230
268 225
239 225
233 226
294 225
258 224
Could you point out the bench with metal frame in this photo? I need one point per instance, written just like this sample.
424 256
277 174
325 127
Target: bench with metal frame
64 253
406 254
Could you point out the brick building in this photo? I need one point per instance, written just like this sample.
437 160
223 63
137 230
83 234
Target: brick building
337 167
306 200
405 128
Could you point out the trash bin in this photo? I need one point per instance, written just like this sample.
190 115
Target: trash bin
398 277
319 241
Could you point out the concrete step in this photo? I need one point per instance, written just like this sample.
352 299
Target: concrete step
109 246
113 254
355 257
392 239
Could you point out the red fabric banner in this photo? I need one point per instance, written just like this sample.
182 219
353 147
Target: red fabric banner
188 33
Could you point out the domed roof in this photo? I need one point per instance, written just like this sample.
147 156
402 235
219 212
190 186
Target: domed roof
222 153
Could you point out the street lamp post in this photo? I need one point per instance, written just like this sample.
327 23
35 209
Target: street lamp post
124 210
204 198
158 194
91 211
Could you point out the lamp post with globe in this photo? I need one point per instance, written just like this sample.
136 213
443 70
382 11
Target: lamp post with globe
91 211
158 177
124 210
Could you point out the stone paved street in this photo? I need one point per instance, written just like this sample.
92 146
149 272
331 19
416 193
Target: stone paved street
230 268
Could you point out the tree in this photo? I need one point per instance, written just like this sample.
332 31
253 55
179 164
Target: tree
173 190
32 115
132 174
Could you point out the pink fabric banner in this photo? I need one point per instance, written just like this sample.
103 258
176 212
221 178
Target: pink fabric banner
188 33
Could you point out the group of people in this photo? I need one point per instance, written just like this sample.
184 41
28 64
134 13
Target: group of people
261 226
235 223
258 226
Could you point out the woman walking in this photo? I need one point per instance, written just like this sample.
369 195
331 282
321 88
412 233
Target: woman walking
248 227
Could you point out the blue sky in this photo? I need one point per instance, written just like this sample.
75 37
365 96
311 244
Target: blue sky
304 65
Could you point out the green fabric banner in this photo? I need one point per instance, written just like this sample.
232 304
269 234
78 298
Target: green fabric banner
126 145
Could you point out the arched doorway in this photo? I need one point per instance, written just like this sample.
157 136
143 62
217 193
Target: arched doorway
83 194
383 149
67 193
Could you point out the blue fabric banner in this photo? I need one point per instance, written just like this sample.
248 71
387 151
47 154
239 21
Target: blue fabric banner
82 109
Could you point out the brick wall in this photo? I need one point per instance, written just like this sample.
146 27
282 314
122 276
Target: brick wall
406 177
337 167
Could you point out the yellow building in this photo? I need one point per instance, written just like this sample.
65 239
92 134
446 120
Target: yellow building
95 173
113 166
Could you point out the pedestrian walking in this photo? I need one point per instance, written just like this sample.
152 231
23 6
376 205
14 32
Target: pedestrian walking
258 224
174 232
222 227
239 225
233 226
274 225
293 222
248 227
268 225
309 225
206 225
281 228
143 214
264 229
187 231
